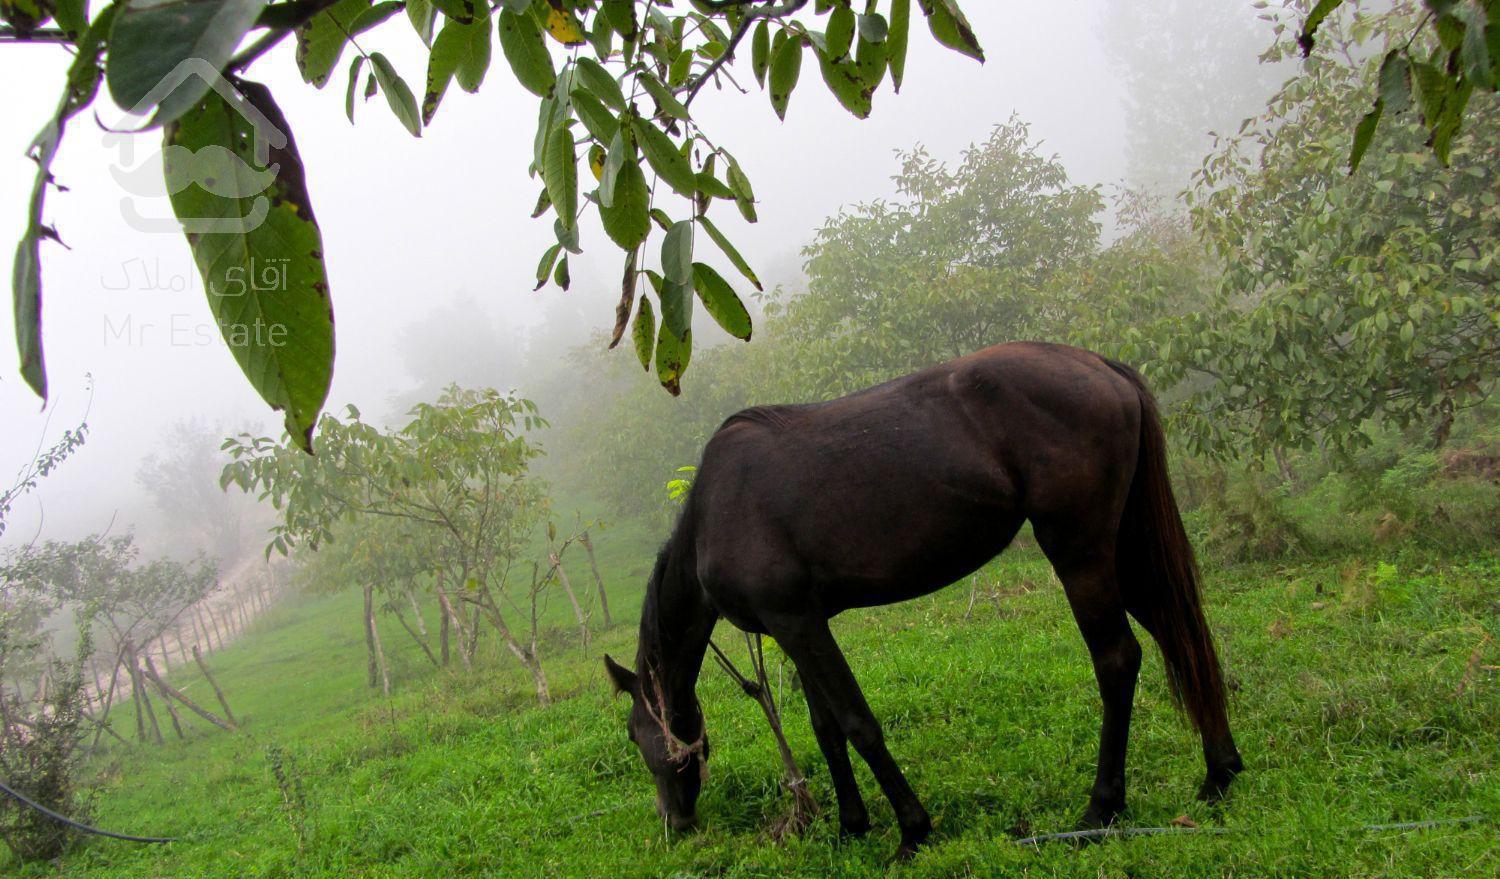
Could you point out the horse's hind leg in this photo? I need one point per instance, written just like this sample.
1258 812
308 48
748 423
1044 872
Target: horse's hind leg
854 818
808 641
1086 569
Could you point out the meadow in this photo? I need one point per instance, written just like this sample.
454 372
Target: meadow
1363 693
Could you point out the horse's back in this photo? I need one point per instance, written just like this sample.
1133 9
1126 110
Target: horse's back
903 487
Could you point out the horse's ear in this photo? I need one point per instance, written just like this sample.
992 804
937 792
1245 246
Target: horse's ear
623 678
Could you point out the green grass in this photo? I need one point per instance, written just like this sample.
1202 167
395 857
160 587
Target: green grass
1346 706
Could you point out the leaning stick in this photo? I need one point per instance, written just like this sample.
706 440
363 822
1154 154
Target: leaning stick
223 703
169 690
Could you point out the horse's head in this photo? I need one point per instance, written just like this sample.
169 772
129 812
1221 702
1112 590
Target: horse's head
673 744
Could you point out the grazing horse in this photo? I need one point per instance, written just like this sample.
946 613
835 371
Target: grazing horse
801 512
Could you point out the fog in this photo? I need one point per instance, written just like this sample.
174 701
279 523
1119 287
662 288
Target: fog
429 244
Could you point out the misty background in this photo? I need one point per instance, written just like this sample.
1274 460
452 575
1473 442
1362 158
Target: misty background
431 250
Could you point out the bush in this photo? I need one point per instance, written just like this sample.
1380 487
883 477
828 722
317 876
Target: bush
40 749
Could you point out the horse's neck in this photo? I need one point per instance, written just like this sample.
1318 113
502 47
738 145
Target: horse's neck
675 626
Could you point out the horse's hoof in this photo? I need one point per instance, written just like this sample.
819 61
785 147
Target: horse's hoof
853 828
1216 783
911 840
1214 789
1097 818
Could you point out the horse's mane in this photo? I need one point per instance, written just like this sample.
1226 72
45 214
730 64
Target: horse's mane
649 645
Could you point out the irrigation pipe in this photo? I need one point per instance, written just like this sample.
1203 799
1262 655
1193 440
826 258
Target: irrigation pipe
1106 832
27 801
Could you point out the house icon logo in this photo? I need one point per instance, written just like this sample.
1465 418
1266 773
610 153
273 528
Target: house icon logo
237 182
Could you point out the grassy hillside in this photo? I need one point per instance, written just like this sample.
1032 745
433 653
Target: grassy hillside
1358 698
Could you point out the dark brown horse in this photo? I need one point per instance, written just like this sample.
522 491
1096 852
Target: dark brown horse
801 512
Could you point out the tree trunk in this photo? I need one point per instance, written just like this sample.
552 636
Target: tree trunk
168 690
527 657
588 547
1444 426
135 698
138 687
416 612
443 631
452 619
166 697
562 577
472 643
218 693
109 701
372 636
417 637
372 666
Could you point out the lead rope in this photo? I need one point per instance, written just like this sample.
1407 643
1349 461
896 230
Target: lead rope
27 801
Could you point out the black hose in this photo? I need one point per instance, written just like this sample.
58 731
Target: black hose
25 800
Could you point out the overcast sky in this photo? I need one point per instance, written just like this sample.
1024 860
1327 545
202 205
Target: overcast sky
415 225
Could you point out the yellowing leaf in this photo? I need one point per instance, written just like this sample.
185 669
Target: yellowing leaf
565 27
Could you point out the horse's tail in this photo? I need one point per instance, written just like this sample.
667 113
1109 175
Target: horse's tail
1159 577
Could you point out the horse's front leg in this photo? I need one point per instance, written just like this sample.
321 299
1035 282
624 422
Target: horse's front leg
854 818
810 644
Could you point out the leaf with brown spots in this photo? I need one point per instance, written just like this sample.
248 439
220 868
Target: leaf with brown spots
257 245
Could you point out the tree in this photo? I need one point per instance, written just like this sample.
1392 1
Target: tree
103 582
46 460
1190 68
1440 58
961 261
183 484
454 480
620 102
1345 298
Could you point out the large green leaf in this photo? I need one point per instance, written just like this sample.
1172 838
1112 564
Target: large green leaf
1363 134
260 252
1315 19
165 54
626 219
321 41
674 343
665 158
786 66
840 33
26 275
461 11
461 51
729 251
643 333
677 253
601 124
599 82
423 15
721 302
397 93
524 47
951 28
560 171
895 41
760 51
